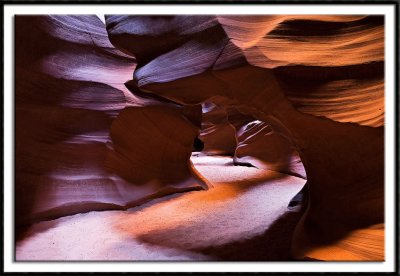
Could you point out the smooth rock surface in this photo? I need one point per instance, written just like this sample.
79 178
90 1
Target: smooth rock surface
255 64
70 88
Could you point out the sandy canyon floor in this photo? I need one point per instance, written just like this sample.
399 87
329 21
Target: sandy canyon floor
244 217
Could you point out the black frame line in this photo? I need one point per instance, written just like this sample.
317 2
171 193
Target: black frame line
396 5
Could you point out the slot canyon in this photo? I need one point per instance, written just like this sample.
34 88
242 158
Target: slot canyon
199 137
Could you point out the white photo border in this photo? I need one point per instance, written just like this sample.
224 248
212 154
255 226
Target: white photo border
388 10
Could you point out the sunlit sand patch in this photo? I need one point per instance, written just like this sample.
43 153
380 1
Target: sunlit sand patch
243 204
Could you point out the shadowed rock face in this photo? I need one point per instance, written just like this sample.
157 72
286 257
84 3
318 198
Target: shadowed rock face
107 115
317 81
226 131
144 140
260 146
218 133
69 92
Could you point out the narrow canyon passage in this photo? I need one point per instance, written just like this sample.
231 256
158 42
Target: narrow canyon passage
185 137
244 217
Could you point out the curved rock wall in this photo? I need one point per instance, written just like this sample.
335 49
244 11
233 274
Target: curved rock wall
70 88
152 147
316 80
263 148
91 116
218 134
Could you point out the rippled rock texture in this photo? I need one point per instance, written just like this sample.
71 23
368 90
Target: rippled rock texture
83 140
107 115
316 81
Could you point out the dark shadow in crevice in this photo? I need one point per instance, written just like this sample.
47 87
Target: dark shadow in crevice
273 245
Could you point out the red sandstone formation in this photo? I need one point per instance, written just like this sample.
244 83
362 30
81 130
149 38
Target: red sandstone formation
251 142
260 146
151 148
69 92
108 126
289 72
218 133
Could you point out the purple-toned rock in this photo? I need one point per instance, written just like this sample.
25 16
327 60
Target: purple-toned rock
315 80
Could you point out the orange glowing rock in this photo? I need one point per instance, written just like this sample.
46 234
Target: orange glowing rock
288 72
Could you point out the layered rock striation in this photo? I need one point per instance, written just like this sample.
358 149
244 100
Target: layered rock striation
107 115
69 93
316 81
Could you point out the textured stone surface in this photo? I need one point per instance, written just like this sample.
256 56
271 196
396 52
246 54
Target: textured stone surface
69 92
218 133
107 115
288 71
263 148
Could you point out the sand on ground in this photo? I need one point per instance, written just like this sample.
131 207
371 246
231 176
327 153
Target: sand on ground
244 217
